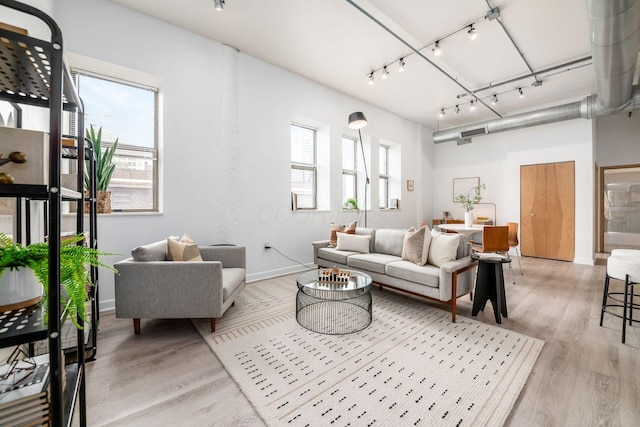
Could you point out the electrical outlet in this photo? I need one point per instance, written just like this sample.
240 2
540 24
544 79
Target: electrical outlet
267 245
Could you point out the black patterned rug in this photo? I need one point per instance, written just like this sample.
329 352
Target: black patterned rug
411 366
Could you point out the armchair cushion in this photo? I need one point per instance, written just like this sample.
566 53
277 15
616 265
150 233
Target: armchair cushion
183 251
156 251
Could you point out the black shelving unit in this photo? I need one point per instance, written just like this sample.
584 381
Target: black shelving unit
32 73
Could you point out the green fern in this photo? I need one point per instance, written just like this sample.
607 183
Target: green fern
104 160
74 277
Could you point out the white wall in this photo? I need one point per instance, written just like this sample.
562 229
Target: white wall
212 190
497 158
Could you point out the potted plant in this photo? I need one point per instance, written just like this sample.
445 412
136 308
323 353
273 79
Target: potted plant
74 277
350 204
468 201
104 169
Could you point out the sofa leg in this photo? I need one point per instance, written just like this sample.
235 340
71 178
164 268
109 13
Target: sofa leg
213 324
233 304
454 296
136 326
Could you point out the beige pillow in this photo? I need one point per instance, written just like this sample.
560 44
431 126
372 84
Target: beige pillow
336 228
413 245
353 242
443 248
184 250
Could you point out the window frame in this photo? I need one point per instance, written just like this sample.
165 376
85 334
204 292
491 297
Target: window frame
383 175
313 167
125 150
352 173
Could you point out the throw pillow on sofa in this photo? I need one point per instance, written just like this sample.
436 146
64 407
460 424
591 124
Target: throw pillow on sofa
443 248
413 245
336 228
353 243
183 250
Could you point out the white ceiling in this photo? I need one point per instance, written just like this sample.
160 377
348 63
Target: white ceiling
334 43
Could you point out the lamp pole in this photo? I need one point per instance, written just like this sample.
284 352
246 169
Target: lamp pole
358 120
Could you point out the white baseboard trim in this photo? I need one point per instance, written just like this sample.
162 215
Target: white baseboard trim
276 273
585 261
107 305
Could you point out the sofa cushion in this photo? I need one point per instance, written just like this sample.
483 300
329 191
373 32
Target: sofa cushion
444 248
428 275
371 262
334 255
361 231
183 250
231 279
389 241
353 242
156 251
414 247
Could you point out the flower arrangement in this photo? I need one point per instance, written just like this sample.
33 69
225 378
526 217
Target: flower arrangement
473 196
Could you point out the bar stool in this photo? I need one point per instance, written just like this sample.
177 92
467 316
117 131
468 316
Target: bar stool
623 266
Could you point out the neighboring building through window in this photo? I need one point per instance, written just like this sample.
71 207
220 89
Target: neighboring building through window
349 169
129 112
303 167
384 176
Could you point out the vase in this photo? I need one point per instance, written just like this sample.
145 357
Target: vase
19 288
104 201
468 219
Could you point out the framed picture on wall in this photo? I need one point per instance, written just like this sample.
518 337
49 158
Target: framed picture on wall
464 185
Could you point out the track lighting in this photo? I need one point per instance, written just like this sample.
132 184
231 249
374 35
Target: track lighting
401 65
457 109
371 78
219 4
472 106
436 49
472 32
520 93
494 100
385 73
441 115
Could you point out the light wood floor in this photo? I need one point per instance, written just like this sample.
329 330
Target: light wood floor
585 376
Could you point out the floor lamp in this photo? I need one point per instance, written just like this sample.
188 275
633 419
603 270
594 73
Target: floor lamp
357 120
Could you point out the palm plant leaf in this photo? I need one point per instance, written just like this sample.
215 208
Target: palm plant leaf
104 160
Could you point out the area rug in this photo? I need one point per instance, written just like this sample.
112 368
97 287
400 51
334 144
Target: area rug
411 366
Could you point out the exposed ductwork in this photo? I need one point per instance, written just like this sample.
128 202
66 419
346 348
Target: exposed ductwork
615 41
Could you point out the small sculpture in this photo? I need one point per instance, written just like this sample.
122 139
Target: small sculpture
15 157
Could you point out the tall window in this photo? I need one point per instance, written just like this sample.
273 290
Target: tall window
384 176
349 169
303 167
128 112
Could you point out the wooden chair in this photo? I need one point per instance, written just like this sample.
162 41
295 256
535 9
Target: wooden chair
514 243
495 238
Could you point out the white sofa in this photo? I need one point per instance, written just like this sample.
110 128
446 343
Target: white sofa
386 267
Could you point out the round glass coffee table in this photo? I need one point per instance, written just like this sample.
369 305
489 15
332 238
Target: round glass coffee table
334 308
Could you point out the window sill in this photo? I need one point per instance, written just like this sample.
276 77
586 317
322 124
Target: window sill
119 214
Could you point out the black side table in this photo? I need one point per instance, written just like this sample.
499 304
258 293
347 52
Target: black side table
490 284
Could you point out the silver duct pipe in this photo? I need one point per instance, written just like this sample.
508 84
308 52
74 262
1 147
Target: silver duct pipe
615 27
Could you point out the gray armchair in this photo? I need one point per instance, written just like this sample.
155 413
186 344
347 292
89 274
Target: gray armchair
147 285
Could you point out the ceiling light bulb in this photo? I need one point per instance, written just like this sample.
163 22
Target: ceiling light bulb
520 93
219 4
401 65
441 115
436 49
472 107
472 32
457 109
494 100
385 72
371 78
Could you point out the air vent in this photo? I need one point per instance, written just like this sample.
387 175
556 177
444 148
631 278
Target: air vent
473 132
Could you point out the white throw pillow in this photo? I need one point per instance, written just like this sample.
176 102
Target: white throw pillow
427 246
443 248
353 242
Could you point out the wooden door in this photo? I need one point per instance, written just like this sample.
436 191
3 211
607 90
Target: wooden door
547 210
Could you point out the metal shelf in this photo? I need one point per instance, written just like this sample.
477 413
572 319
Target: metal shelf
22 326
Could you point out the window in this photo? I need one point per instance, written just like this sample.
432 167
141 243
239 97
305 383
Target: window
129 112
303 167
349 169
384 176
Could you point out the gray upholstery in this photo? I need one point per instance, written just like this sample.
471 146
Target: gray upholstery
386 267
156 288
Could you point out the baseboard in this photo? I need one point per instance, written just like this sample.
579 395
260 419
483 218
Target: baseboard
585 261
107 305
270 274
